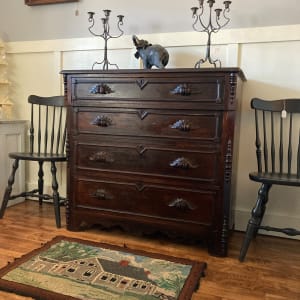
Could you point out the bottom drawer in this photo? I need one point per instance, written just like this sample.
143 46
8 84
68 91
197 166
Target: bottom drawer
192 206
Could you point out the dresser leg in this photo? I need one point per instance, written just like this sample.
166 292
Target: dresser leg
218 246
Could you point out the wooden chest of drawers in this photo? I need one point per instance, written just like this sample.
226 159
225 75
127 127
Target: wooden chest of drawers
152 150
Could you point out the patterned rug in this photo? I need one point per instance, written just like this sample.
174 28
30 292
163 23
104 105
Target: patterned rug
68 268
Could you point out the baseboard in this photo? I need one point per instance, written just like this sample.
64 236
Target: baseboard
281 221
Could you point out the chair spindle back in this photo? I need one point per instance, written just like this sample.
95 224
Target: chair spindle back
47 125
278 124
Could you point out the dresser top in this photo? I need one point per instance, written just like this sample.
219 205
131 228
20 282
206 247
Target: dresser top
145 72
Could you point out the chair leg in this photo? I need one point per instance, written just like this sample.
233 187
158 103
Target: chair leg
254 222
8 189
41 182
56 199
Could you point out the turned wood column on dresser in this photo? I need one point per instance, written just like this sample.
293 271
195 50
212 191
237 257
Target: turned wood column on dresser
152 150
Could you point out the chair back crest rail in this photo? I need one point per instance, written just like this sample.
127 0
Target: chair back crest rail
277 136
47 125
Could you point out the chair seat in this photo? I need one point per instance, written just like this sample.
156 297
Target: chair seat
38 157
275 178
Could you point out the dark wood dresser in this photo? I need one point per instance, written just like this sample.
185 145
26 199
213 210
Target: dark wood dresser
152 151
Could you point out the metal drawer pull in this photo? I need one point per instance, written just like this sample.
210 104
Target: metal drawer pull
102 156
181 204
100 88
102 121
182 89
182 163
102 195
182 125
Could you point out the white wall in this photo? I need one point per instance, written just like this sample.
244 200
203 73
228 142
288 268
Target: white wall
20 22
268 56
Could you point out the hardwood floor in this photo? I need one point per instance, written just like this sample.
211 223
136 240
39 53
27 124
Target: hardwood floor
271 269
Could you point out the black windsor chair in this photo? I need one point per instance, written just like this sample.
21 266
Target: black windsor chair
47 144
277 123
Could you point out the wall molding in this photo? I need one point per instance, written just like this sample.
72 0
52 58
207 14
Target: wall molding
171 39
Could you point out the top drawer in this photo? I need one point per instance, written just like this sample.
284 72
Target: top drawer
151 89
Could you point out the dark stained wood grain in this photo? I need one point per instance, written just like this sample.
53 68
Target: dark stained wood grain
156 148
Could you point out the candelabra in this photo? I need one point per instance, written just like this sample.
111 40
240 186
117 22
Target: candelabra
105 35
210 26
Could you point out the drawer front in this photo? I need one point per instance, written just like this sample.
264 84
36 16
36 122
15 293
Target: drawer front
198 165
209 89
201 125
149 200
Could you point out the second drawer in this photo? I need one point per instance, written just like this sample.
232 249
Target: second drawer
147 159
205 125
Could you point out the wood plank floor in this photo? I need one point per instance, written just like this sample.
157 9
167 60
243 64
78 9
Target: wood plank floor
271 269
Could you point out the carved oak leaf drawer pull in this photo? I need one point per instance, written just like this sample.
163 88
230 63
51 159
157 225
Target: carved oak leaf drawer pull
181 204
182 90
182 125
102 156
183 163
102 121
101 195
100 88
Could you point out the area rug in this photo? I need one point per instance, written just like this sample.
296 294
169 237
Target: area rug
68 268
